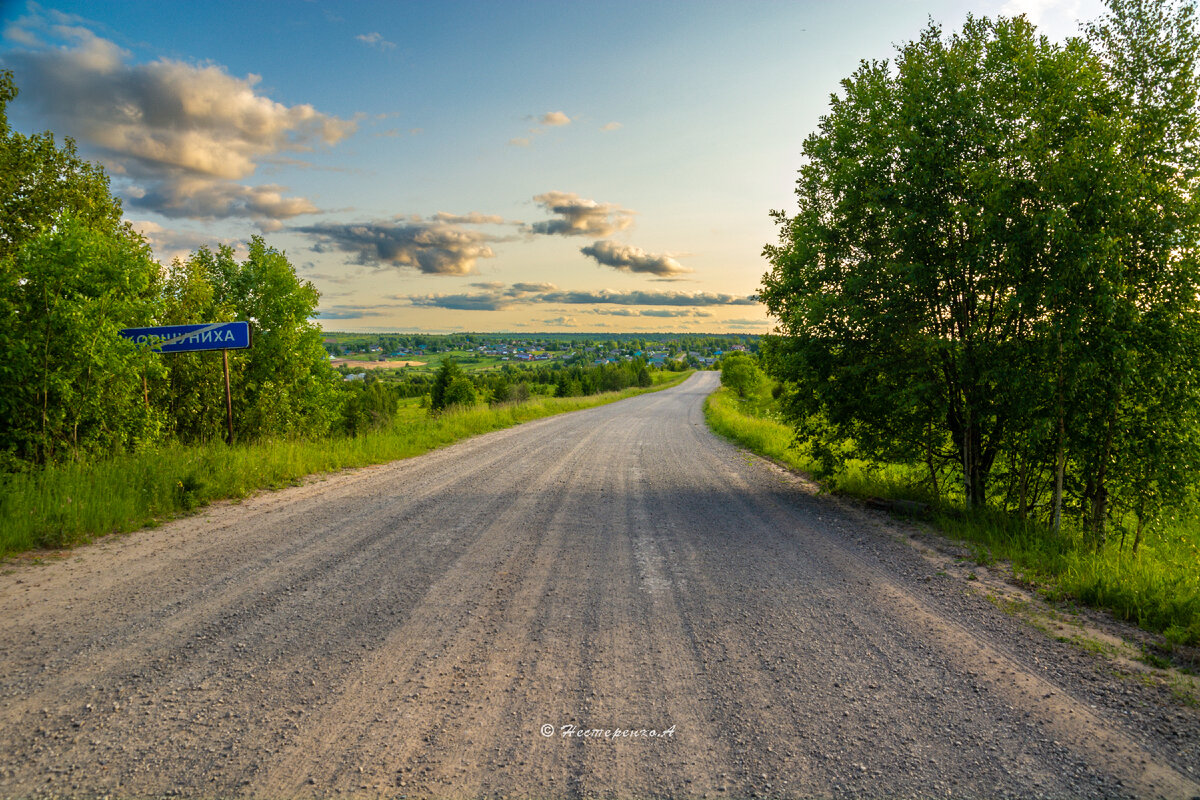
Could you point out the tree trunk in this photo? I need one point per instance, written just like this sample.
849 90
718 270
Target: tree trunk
937 494
1099 497
1022 488
968 462
1060 455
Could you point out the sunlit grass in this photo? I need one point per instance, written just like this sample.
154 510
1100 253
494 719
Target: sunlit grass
68 504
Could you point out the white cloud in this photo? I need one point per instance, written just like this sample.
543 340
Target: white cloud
169 244
633 259
184 134
1057 19
580 217
197 198
375 39
435 247
554 118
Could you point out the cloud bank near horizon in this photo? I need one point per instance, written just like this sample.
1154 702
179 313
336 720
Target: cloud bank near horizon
498 297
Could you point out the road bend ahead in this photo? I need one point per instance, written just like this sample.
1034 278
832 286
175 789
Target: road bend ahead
418 628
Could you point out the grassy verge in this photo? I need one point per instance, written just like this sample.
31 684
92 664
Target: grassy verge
69 504
1159 589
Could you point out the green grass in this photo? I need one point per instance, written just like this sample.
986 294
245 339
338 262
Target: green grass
752 424
1159 589
69 504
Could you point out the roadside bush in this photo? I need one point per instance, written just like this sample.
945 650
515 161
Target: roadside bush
460 392
368 407
448 374
510 393
740 373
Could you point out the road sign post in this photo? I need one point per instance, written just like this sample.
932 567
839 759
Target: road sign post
223 336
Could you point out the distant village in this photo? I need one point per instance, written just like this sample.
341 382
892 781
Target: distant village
354 353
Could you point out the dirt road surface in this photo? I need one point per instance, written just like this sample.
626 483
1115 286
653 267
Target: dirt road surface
416 629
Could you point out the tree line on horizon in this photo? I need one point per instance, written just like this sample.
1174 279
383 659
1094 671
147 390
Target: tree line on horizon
992 271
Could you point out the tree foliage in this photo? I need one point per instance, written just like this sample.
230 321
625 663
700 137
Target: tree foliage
992 267
283 384
740 372
451 387
70 383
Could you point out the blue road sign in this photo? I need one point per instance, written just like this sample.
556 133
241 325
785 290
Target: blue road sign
185 338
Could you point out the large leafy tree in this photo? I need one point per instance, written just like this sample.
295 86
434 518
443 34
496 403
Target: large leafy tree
191 392
942 202
994 262
71 384
283 384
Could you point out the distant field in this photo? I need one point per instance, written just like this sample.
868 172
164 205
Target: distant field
352 362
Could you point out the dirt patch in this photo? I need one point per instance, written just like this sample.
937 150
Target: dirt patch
348 362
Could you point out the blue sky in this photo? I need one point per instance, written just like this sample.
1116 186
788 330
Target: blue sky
478 166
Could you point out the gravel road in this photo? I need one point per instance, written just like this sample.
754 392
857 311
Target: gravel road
415 629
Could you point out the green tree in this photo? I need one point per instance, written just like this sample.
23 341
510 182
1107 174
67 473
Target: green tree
71 384
368 406
192 392
289 385
281 385
41 181
1138 449
451 387
741 373
938 203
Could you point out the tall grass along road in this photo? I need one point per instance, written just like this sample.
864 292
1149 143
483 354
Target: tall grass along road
611 602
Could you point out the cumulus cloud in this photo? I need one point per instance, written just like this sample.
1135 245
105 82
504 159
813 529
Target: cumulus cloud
196 198
171 128
554 118
498 298
521 141
580 217
610 126
633 259
375 39
432 246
